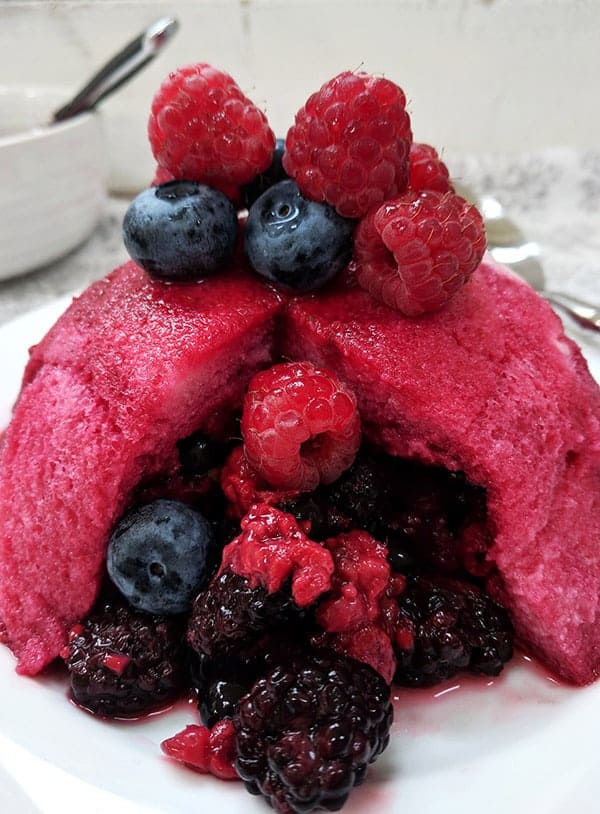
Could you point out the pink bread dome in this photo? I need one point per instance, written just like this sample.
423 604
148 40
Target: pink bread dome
490 386
130 368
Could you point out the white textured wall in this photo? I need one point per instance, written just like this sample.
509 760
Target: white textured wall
487 75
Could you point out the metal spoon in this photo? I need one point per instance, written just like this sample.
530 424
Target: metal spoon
508 245
120 68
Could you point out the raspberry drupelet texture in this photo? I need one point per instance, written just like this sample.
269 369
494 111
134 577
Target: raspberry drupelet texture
416 251
203 128
209 751
272 551
300 426
427 170
350 142
308 730
243 486
123 663
446 626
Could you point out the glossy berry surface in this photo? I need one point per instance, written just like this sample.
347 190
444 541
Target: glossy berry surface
207 750
199 454
272 175
300 426
123 663
416 251
203 128
446 626
180 231
427 170
157 556
294 242
309 728
230 614
349 144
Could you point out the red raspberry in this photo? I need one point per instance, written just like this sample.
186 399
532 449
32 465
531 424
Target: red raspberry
349 143
415 252
205 750
243 486
427 170
203 128
272 549
300 426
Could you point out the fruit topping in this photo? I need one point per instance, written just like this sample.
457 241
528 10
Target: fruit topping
199 454
427 170
203 128
294 242
157 556
180 231
350 142
446 626
210 751
300 426
243 486
231 614
124 663
272 175
272 549
429 519
416 251
308 730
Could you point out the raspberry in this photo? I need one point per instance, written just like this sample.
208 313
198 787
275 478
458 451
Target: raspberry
300 426
446 626
349 144
272 550
427 170
124 663
206 750
243 486
415 252
203 128
308 730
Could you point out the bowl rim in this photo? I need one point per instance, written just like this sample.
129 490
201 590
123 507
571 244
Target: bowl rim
43 130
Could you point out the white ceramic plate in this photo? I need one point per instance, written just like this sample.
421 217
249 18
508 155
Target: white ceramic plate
521 743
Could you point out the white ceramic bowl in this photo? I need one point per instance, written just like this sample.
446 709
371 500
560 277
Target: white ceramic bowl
52 179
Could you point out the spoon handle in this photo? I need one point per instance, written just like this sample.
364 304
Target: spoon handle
120 68
586 314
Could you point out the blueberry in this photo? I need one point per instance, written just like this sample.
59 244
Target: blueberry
157 556
180 231
266 179
294 242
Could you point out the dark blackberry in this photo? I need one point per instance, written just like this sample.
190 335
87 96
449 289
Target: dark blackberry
309 728
418 511
446 626
230 614
198 454
123 663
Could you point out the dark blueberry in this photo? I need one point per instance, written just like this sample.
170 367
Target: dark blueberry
180 231
308 729
296 243
123 663
446 626
198 454
157 556
272 175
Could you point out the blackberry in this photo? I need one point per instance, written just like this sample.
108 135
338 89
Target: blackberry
230 614
308 729
446 626
123 663
198 454
418 511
